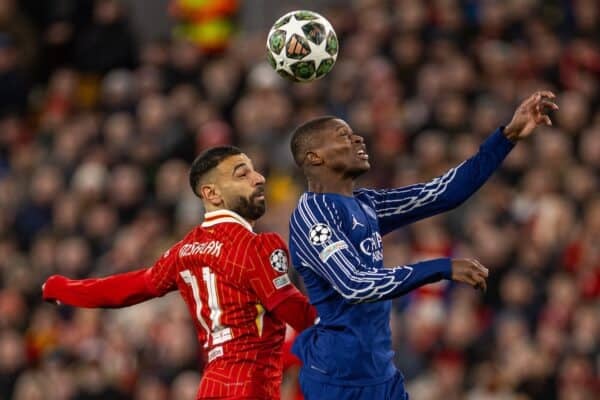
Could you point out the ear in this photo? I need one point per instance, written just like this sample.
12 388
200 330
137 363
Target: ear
313 158
211 194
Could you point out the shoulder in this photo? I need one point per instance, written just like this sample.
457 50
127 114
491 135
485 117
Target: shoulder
319 208
268 240
366 196
270 247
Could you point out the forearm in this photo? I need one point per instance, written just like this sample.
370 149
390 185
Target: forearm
422 273
395 282
113 291
358 282
474 172
296 311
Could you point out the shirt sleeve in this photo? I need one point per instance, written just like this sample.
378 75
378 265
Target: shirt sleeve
119 290
320 244
161 277
296 311
402 206
267 272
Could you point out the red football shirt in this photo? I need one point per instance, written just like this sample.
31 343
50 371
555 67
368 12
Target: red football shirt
229 277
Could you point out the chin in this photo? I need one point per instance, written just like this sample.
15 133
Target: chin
356 172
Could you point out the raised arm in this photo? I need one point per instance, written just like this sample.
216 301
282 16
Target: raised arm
337 261
120 290
402 206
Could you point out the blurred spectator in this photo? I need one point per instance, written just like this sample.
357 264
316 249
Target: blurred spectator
13 86
107 43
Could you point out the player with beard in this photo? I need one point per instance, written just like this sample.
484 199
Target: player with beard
336 245
233 281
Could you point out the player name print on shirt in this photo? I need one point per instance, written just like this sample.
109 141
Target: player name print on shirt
213 248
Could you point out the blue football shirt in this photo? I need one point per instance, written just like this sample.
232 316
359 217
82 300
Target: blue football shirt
336 246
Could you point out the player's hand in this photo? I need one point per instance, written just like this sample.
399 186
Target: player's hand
50 286
531 113
470 272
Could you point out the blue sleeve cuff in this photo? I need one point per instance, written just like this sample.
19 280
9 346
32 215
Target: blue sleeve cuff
446 266
498 142
434 270
440 267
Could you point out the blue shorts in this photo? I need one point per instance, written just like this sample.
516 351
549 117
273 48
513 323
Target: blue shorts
390 390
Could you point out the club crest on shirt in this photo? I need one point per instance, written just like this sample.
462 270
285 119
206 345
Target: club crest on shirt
319 234
279 260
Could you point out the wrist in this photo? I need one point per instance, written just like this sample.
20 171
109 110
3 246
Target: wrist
446 268
510 133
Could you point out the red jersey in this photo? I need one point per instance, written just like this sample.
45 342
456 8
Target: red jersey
236 287
229 276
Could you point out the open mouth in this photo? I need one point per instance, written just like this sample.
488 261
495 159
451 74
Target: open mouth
259 195
362 154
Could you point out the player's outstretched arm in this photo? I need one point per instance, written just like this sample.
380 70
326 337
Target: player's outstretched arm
120 290
402 206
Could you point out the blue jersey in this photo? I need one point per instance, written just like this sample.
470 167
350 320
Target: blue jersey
336 246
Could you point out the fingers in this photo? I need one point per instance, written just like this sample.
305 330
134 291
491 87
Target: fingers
541 108
544 97
471 272
544 119
545 104
547 94
479 275
484 271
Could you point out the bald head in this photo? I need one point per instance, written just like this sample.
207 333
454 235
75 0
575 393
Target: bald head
306 136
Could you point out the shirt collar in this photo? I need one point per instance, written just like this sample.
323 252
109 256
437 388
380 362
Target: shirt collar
212 218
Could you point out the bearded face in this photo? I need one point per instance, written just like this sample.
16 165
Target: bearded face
252 207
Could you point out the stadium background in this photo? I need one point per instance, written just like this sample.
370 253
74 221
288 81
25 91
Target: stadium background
102 111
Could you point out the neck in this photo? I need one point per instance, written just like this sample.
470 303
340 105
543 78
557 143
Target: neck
211 208
343 186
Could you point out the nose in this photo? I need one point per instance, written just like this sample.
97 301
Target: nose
259 179
358 139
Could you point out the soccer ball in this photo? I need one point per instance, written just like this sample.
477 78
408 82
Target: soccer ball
319 234
302 46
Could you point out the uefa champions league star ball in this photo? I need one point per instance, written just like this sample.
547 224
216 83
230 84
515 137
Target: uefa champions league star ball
302 46
319 234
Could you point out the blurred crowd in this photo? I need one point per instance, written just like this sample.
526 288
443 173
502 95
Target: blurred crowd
97 130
